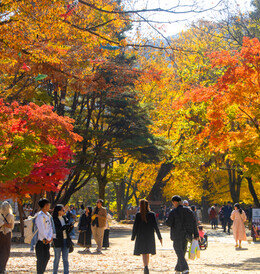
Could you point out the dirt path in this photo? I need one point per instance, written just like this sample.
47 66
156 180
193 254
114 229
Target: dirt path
220 257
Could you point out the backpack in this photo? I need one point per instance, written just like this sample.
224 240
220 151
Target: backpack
30 229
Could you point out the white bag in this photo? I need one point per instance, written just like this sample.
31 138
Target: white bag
194 250
30 229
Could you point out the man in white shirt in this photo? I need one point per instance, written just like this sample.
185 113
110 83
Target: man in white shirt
45 235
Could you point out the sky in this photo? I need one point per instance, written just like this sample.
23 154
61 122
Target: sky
176 22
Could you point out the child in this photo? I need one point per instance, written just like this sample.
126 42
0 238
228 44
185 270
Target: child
203 237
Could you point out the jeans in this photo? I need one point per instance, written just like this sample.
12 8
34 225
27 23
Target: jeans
33 242
227 222
42 255
65 254
180 247
72 233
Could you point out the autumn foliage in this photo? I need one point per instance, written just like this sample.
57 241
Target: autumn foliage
35 147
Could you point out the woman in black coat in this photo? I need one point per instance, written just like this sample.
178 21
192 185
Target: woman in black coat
84 228
62 240
143 230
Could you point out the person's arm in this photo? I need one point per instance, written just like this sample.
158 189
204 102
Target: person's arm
170 220
244 216
51 231
10 219
192 220
80 223
135 227
155 225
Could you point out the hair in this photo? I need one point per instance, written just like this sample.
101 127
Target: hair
82 207
56 210
42 202
200 227
237 205
193 207
144 209
176 198
90 210
6 208
100 201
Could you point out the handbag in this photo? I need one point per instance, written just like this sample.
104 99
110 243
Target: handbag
71 247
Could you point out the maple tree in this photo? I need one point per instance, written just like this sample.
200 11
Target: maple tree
233 108
35 141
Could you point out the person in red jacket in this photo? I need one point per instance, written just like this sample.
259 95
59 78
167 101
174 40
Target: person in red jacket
213 217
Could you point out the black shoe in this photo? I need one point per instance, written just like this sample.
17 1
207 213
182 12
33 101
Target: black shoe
146 270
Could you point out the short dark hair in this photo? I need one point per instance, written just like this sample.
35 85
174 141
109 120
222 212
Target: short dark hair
101 201
42 202
193 207
176 198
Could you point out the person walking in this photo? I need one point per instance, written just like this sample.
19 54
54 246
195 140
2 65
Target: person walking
145 225
194 211
227 209
183 226
213 217
71 216
44 225
61 240
84 229
239 231
6 227
99 219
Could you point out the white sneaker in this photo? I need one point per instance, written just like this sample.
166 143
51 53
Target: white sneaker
185 271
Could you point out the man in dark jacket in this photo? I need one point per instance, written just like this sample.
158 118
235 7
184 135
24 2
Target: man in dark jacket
227 210
183 227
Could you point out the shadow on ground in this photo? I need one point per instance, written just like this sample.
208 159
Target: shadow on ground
22 254
249 264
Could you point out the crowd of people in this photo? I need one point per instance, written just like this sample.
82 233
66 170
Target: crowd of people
57 230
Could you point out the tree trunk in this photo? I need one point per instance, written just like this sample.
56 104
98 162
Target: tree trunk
102 188
156 194
234 180
252 191
21 216
35 200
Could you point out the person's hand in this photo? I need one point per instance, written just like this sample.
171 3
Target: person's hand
161 241
79 231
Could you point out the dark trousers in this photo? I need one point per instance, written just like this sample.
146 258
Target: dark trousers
180 247
106 238
43 255
5 246
227 222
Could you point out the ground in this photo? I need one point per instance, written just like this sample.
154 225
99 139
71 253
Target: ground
220 257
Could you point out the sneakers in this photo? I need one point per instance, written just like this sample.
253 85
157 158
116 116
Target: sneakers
87 251
185 271
99 251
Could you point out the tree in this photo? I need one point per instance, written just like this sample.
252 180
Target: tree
33 143
233 107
